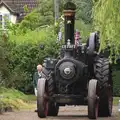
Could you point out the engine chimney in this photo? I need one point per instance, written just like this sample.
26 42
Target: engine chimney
69 15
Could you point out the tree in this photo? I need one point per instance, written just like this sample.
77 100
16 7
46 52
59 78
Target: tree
107 20
42 15
84 10
46 11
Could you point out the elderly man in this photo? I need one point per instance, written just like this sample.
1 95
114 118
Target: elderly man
36 76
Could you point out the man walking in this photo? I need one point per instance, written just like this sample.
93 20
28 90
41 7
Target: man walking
36 76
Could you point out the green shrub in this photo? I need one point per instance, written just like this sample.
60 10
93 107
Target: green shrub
25 53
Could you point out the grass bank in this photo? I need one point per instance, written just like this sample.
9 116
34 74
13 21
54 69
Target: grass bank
15 100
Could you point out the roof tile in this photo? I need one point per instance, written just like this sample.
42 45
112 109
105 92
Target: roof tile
17 6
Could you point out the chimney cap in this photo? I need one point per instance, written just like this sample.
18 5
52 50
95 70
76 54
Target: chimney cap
69 6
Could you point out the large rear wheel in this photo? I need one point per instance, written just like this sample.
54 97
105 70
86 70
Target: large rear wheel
53 107
103 74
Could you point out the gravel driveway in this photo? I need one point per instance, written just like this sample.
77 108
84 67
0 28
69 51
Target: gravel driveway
65 113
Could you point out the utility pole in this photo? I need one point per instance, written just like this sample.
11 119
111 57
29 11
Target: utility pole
56 9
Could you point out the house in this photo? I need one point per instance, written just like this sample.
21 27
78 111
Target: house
14 10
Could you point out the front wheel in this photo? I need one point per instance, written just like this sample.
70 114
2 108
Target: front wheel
92 99
42 102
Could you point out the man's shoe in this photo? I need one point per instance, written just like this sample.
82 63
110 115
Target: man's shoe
36 110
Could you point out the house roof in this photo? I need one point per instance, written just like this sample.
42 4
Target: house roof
17 6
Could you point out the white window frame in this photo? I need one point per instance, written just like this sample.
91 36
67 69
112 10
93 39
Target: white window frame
3 20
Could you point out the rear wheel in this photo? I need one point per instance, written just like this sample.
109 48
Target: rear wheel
106 102
42 102
93 99
104 75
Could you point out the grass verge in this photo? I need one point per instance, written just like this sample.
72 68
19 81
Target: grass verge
116 100
15 100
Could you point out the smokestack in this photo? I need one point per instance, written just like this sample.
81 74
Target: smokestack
69 15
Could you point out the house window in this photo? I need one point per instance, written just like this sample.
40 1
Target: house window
0 21
4 18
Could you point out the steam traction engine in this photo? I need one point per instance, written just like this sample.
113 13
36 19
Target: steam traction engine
81 75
